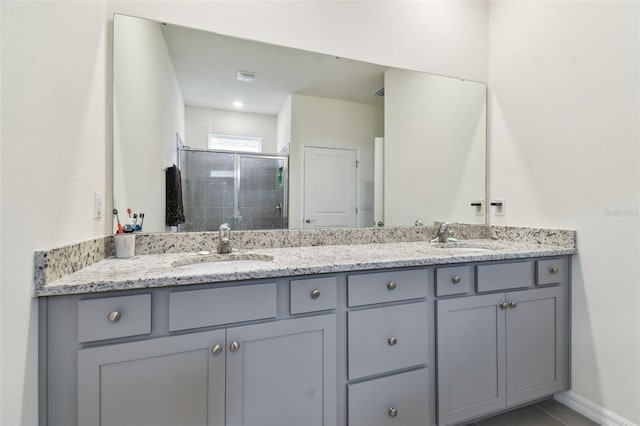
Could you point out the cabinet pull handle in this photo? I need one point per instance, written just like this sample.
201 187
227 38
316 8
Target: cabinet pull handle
234 347
513 304
456 279
504 305
114 316
216 350
392 341
393 411
554 269
392 285
315 294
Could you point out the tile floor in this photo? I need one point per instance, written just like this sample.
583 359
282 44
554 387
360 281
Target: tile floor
545 413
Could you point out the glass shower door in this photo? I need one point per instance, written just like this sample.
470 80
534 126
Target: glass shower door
261 192
207 189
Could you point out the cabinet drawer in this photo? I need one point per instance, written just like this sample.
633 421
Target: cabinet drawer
214 306
378 287
114 317
316 294
453 280
400 400
385 339
549 271
504 276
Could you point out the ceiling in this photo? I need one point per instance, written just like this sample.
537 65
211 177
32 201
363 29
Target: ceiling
206 65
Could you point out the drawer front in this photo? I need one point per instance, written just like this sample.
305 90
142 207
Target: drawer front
399 400
379 287
386 339
504 276
316 294
454 280
215 306
550 271
113 317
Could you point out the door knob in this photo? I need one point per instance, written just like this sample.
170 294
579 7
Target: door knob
234 347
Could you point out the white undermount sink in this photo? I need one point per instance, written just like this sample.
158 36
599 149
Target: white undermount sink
221 262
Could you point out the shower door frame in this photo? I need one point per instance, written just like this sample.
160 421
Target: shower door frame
237 176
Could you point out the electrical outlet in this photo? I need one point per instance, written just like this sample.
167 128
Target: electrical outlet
98 205
499 205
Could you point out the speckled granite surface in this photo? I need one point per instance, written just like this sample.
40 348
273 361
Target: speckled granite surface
291 258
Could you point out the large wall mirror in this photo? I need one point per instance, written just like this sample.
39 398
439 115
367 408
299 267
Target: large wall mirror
269 137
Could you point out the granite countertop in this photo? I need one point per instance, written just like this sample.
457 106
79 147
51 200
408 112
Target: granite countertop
161 270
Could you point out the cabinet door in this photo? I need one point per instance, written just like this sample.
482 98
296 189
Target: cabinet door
535 344
166 381
471 357
282 373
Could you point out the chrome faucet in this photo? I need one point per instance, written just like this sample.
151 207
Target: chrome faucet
224 238
443 231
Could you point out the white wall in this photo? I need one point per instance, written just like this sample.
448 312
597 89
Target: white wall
564 116
333 123
201 121
434 162
56 99
148 111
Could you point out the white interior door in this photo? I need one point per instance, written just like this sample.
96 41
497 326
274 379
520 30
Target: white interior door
330 181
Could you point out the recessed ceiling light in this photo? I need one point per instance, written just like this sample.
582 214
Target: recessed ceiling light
247 76
238 104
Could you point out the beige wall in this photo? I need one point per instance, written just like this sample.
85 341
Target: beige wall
55 147
332 123
201 121
434 148
148 112
564 116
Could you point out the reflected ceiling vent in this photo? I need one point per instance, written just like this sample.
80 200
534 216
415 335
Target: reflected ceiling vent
247 76
379 92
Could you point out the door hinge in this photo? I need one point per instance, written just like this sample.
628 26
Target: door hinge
356 210
357 163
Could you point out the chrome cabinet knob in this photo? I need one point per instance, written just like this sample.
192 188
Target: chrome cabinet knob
554 269
513 304
456 279
392 285
504 305
216 350
392 341
393 412
315 294
114 316
234 347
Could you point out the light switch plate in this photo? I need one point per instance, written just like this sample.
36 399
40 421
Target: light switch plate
98 205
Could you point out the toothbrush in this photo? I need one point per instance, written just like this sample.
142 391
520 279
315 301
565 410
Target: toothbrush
120 230
141 220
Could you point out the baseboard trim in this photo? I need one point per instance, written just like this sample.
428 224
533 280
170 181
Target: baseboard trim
591 410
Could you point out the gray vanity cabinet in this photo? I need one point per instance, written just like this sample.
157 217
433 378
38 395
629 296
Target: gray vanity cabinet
166 381
499 350
278 373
